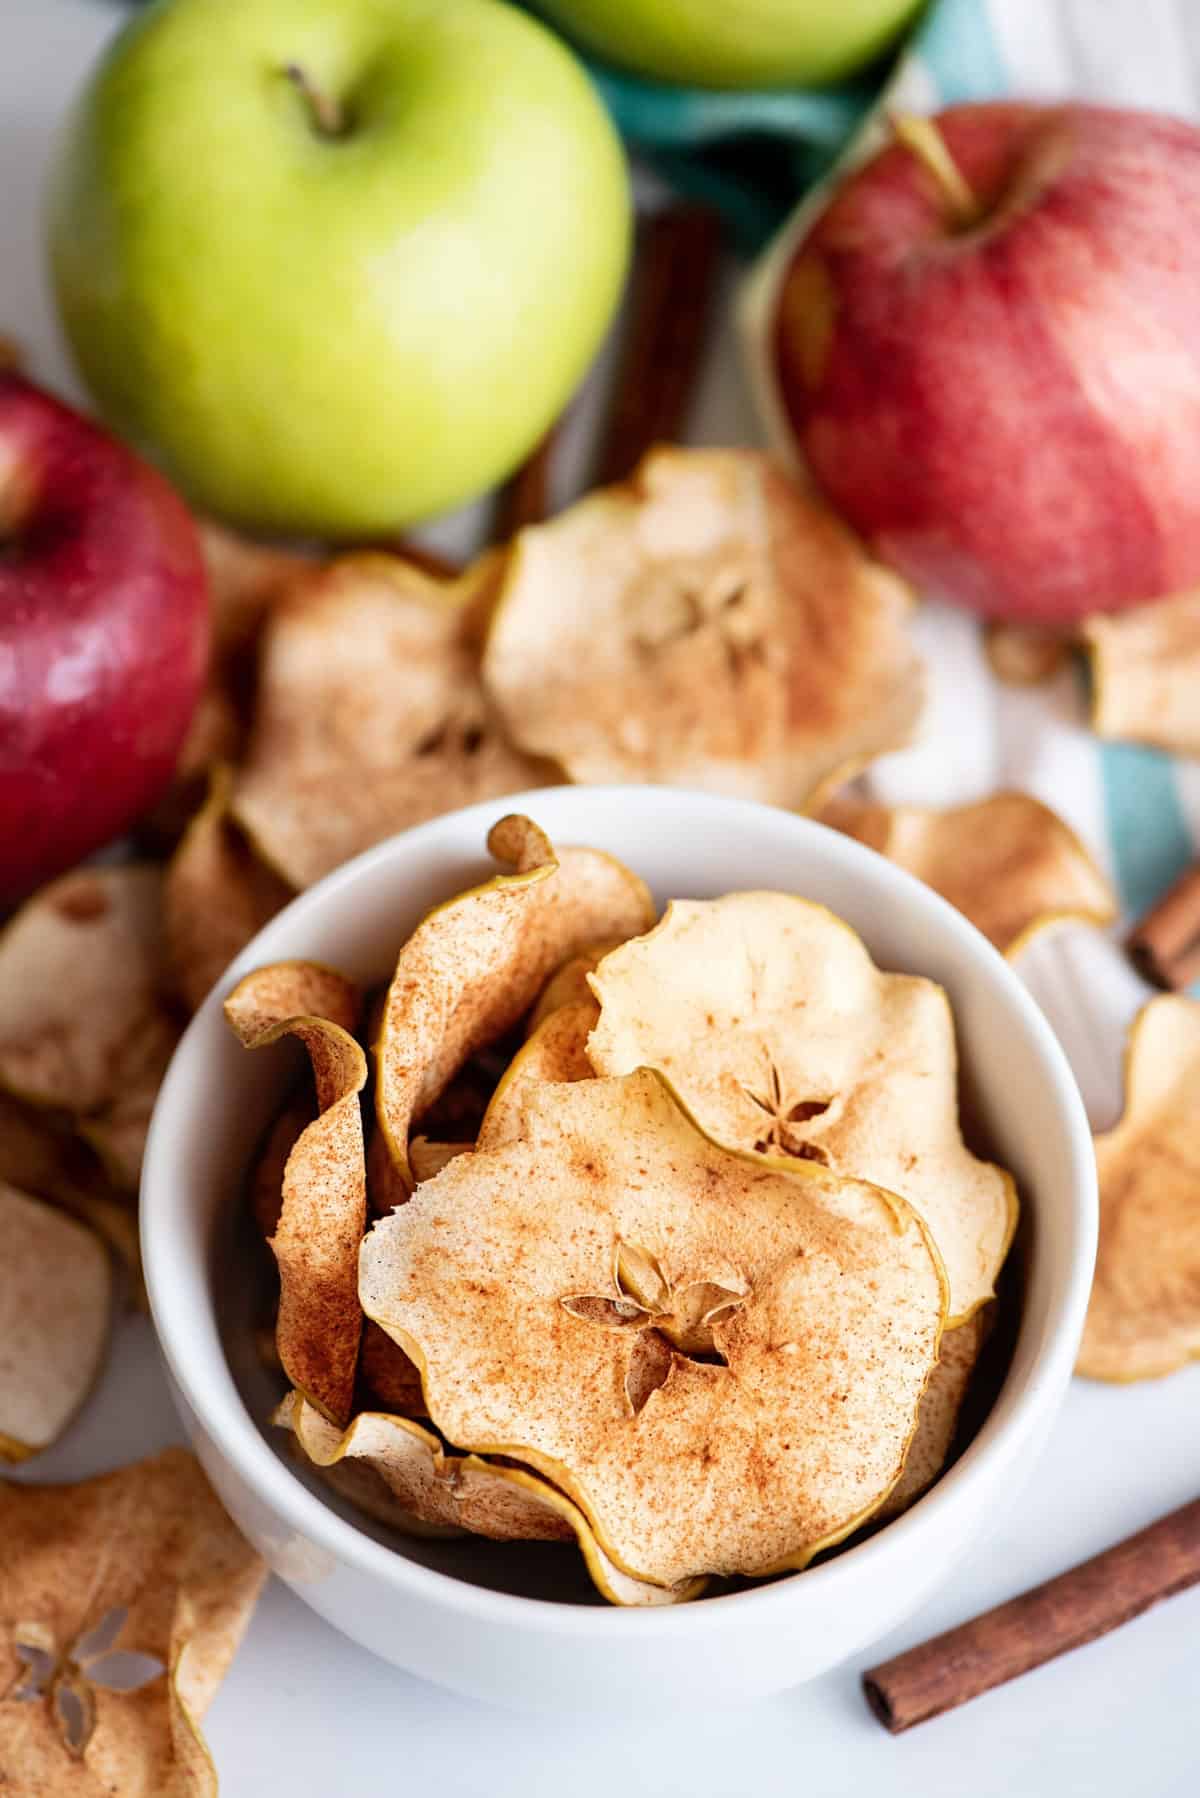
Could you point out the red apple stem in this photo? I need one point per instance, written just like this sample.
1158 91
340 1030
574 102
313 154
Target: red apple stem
327 114
923 139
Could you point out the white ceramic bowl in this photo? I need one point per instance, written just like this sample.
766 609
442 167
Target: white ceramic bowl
399 1598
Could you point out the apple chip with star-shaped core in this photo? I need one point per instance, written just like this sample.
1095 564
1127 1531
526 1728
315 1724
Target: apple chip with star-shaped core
1144 1314
537 1287
707 624
475 965
122 1602
369 716
783 1038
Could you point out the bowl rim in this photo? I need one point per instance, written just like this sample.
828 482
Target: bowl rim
239 1439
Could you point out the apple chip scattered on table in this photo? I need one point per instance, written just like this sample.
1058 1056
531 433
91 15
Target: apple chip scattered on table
553 1312
123 1601
1144 1316
1007 862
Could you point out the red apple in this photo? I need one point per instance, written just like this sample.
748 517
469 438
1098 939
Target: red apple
988 346
103 634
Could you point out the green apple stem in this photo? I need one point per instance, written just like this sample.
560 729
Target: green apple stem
327 114
922 137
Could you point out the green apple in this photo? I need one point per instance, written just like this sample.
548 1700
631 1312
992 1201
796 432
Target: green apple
337 264
734 43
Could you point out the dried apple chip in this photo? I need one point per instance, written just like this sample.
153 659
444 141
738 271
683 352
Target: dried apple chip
937 1420
369 716
474 966
83 1026
1146 673
466 1492
783 1038
568 985
123 1601
388 1375
501 1279
40 1154
557 1051
1144 1316
426 1157
324 1205
1008 862
216 896
707 624
55 1300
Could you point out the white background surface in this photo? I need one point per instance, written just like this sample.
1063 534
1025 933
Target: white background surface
304 1712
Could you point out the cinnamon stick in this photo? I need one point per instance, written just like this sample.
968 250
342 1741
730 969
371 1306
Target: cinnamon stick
1077 1607
1165 946
674 286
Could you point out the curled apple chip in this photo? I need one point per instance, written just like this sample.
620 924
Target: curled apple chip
369 715
707 624
1146 673
216 896
568 985
55 1300
1008 862
937 1420
324 1199
821 1300
474 966
556 1052
123 1601
291 989
83 1026
783 1039
465 1492
1144 1316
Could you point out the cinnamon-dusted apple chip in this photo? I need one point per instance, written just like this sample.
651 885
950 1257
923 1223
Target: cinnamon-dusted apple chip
823 1301
475 964
782 1038
1007 862
55 1299
465 1492
556 1052
122 1600
1146 673
568 985
706 624
324 1204
216 896
937 1419
1144 1316
83 1026
369 716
